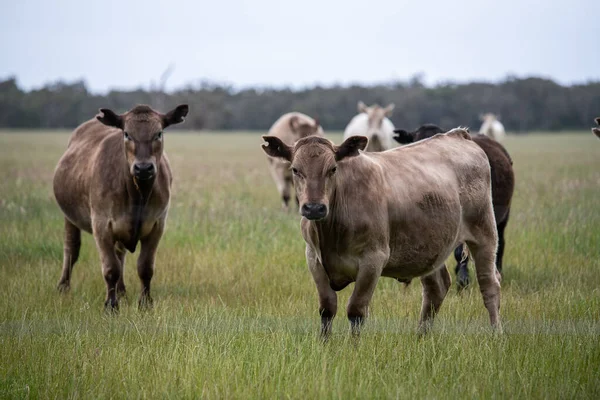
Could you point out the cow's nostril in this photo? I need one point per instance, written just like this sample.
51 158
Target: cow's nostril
144 169
320 208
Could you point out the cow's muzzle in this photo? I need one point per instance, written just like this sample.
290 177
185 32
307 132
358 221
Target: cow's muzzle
144 171
314 211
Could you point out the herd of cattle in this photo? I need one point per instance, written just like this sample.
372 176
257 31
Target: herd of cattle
369 209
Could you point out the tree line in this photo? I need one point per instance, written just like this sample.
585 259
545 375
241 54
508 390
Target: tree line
524 104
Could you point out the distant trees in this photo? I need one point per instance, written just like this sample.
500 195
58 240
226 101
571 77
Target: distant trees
523 104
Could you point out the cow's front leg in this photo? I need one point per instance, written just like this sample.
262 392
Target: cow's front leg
435 287
327 296
369 271
145 263
111 264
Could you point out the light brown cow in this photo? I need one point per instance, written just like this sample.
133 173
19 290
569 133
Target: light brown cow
114 182
596 131
399 214
289 128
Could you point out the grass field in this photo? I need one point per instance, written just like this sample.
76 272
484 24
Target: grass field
235 311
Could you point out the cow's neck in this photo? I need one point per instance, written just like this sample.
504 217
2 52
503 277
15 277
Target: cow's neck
139 192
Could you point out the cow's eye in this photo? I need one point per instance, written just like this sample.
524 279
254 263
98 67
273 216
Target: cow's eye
295 172
126 136
332 170
158 136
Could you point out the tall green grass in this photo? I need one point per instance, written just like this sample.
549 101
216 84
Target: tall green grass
235 311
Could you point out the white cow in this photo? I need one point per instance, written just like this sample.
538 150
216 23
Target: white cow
373 123
492 127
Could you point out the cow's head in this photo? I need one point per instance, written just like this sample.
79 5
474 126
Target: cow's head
597 130
302 127
314 163
424 132
376 115
142 129
489 117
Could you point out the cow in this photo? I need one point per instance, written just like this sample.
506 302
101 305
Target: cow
114 181
492 127
289 128
397 213
503 185
373 123
596 131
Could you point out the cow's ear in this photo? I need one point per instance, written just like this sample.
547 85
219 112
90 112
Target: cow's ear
362 107
597 121
109 118
350 147
276 148
596 132
176 115
388 110
403 137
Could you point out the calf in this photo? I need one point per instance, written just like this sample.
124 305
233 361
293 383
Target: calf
596 131
289 128
503 185
397 213
114 182
373 123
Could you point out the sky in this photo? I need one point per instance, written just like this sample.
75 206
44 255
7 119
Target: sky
129 44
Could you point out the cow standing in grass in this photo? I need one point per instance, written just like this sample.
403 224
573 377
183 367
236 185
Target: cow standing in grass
114 182
373 123
397 213
503 186
289 128
596 131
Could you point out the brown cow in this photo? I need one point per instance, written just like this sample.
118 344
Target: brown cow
289 128
398 214
596 131
114 182
503 186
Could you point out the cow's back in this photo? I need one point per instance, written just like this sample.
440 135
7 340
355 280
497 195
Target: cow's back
428 191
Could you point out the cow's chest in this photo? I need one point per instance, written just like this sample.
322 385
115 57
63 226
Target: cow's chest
341 269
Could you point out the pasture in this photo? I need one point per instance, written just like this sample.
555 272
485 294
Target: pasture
235 311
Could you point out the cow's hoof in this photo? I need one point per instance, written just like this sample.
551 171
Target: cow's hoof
462 282
145 303
63 287
111 306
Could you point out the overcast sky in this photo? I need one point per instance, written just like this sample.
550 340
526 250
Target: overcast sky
128 44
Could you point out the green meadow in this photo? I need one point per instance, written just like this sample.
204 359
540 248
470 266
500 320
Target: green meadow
235 309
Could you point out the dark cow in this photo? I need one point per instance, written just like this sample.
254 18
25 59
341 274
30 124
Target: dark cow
596 131
503 184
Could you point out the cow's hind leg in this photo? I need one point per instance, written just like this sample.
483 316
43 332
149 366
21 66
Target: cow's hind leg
70 254
500 254
145 263
121 290
286 193
435 287
462 267
484 254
